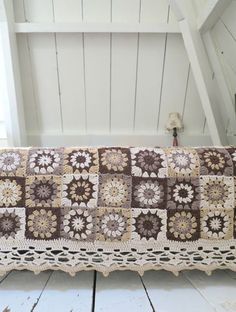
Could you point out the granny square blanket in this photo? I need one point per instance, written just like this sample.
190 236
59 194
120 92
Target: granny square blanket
116 208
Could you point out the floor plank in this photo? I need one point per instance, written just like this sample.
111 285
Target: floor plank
170 293
66 293
19 291
232 274
219 289
121 291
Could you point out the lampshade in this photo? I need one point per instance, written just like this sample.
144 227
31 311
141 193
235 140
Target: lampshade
174 121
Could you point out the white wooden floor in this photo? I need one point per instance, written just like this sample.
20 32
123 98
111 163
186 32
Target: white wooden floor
121 291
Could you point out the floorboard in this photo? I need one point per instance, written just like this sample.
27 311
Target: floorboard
19 291
219 289
121 291
170 293
66 293
194 291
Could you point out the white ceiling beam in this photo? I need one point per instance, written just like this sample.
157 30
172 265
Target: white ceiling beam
11 94
211 13
202 73
96 28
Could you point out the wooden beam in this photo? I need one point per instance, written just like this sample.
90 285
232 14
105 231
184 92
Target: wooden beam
223 87
211 13
96 28
12 94
202 74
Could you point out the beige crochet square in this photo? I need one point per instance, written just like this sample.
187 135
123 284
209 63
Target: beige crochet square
216 224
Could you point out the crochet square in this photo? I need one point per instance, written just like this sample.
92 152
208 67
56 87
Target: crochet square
45 161
114 190
78 224
217 192
80 190
217 223
182 162
13 162
80 160
148 162
114 160
113 224
42 223
183 225
148 224
12 192
183 193
215 161
43 191
149 192
232 153
12 223
234 223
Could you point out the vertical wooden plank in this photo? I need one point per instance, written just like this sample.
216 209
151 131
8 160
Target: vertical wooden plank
96 10
193 115
153 11
169 293
70 64
174 80
66 293
39 10
44 71
225 43
149 76
97 67
124 67
30 107
44 67
67 10
121 291
21 289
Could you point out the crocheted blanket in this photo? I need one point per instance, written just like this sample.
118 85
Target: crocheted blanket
117 208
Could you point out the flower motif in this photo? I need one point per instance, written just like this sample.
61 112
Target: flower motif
78 223
183 193
13 162
217 192
81 161
43 191
216 224
114 191
114 160
215 162
42 223
11 223
113 224
182 162
148 192
183 225
148 162
79 190
44 161
11 191
148 224
10 161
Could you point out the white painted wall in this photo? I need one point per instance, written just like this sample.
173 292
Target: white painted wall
224 34
105 88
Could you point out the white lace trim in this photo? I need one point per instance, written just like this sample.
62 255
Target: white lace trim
72 256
